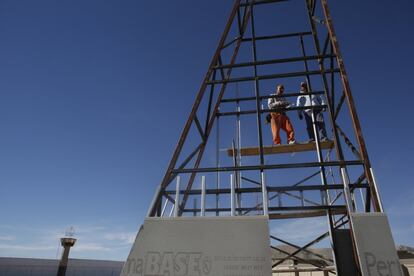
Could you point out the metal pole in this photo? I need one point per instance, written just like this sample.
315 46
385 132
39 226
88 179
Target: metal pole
257 89
154 201
264 194
217 163
348 197
381 208
238 145
164 208
203 196
232 205
172 210
326 195
177 196
194 207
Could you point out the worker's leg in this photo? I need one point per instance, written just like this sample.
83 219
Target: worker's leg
275 125
320 124
309 126
288 127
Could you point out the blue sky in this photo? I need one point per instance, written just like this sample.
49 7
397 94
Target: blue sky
94 95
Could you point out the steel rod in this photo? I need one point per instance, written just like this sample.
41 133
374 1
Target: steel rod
265 97
257 91
177 196
381 208
264 195
268 167
271 209
203 196
272 61
260 2
232 205
277 36
279 189
281 109
272 76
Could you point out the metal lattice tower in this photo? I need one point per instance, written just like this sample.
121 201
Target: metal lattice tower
224 155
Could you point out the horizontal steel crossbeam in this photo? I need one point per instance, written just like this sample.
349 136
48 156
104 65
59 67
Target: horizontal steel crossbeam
279 189
266 110
286 209
273 61
287 95
269 167
274 76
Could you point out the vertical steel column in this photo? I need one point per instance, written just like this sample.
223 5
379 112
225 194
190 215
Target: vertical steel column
256 87
316 134
315 129
332 64
203 196
164 208
232 193
217 164
177 196
264 195
238 146
330 109
258 110
381 208
343 169
326 196
194 207
154 201
236 174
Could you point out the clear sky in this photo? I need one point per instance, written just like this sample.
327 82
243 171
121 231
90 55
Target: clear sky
94 95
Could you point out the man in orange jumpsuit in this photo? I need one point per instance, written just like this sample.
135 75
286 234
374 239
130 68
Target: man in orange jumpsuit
279 119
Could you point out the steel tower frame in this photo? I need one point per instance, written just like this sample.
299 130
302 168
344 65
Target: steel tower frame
347 157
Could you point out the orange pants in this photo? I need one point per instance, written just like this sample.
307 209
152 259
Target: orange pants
281 121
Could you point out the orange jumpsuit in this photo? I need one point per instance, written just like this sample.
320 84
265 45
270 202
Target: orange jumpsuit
281 121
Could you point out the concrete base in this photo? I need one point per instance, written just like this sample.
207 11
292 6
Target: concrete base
375 245
201 246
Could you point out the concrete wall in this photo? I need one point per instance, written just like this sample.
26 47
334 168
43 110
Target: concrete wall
407 265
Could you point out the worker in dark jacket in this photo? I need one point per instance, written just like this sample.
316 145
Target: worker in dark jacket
316 101
279 119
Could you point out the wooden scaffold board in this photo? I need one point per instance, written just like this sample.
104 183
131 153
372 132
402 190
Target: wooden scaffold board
277 149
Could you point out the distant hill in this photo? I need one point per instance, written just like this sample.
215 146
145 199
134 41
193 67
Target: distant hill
405 252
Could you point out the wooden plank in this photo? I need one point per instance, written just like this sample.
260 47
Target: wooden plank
277 149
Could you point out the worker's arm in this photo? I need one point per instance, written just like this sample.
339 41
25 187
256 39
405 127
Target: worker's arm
275 103
271 103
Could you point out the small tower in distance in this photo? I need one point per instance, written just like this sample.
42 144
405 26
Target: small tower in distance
67 242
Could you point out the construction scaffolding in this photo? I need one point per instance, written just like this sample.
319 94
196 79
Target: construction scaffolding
225 164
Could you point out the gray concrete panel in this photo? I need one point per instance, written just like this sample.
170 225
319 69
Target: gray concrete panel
216 246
